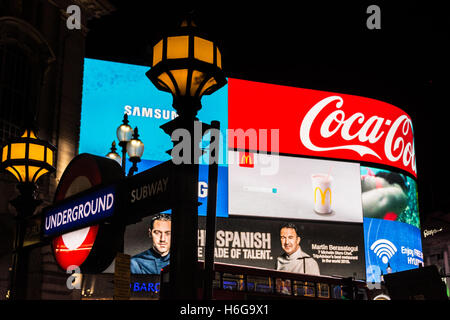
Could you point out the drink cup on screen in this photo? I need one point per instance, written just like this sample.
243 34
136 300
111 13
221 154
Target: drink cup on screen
323 192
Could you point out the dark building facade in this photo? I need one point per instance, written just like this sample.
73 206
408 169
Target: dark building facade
436 244
41 70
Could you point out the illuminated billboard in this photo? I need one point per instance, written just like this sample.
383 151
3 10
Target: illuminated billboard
321 124
111 89
323 248
317 124
299 188
390 244
391 222
329 249
389 195
291 157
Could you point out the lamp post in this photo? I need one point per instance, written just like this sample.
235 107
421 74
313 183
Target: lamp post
27 158
124 133
135 149
129 142
188 65
113 154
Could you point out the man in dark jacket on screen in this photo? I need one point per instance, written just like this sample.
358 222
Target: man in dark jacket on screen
151 261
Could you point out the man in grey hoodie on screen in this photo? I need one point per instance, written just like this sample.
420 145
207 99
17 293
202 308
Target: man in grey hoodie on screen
294 259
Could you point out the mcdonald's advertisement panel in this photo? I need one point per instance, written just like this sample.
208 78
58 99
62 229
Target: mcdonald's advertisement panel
307 158
298 188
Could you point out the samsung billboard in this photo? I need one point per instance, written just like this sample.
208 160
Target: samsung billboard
336 171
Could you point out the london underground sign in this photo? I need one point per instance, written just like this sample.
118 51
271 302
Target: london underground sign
83 210
83 238
324 124
93 205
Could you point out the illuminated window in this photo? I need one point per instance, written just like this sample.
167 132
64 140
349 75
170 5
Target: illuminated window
233 282
283 286
259 284
336 292
323 290
307 289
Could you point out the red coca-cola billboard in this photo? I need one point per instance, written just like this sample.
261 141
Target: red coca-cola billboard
322 124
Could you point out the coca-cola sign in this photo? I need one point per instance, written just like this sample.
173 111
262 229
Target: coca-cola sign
324 124
377 136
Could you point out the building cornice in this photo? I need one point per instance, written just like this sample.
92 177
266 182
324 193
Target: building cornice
89 9
95 8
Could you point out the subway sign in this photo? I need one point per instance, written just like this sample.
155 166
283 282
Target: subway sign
80 211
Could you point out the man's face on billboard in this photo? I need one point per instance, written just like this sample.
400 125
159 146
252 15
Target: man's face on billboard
290 242
161 236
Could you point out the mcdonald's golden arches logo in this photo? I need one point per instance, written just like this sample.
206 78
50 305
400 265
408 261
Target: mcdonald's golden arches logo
323 195
246 160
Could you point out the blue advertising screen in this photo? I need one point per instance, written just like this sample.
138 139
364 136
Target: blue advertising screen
390 243
111 89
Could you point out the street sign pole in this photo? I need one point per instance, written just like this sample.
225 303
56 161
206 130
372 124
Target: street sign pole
184 271
183 256
211 211
25 204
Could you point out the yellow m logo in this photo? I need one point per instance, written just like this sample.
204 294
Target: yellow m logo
246 160
323 195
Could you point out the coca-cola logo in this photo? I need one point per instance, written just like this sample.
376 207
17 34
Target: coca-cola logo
385 139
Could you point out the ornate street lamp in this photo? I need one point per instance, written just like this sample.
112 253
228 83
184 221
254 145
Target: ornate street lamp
27 158
187 64
124 133
113 154
128 140
135 149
